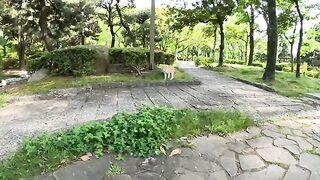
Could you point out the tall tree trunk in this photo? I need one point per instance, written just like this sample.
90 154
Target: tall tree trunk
251 36
125 25
21 49
269 73
246 49
221 51
214 44
44 32
300 39
111 26
82 39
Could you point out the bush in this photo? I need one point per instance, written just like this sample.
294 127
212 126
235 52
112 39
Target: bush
203 61
286 69
76 61
138 58
258 64
281 66
11 61
233 61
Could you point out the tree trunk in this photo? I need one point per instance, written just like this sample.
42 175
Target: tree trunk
269 73
246 49
214 44
220 21
291 56
300 39
82 39
251 36
21 53
44 25
111 26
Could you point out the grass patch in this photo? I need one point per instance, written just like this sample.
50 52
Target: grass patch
138 134
60 82
2 100
285 84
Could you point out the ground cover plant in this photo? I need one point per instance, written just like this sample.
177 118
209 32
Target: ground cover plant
139 134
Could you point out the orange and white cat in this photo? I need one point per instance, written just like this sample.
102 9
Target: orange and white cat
168 72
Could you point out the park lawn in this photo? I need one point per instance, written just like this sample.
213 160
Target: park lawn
60 82
285 84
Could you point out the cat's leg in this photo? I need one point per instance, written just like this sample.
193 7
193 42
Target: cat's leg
165 75
172 75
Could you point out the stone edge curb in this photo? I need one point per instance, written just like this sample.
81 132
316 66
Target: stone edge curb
58 93
258 85
310 95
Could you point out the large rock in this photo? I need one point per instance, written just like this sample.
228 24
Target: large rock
272 172
276 155
38 75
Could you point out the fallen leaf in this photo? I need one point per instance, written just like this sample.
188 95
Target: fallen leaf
175 152
86 157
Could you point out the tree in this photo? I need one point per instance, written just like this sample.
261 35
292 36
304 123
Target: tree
124 24
287 20
301 17
269 73
250 18
18 25
207 11
109 16
84 22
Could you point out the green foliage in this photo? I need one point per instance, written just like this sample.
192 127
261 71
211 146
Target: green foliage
234 61
203 61
281 66
76 61
10 61
139 134
135 58
258 64
114 170
285 84
138 58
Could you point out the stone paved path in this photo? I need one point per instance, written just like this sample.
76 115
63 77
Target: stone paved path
281 150
31 117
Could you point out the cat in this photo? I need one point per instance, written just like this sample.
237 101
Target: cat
168 72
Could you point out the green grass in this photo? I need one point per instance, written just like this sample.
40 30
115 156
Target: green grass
140 133
60 82
285 84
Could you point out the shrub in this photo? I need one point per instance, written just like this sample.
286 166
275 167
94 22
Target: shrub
233 61
281 66
286 69
258 64
11 61
138 58
76 61
203 61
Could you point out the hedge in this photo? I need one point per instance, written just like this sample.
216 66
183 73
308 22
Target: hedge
138 58
76 61
203 61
